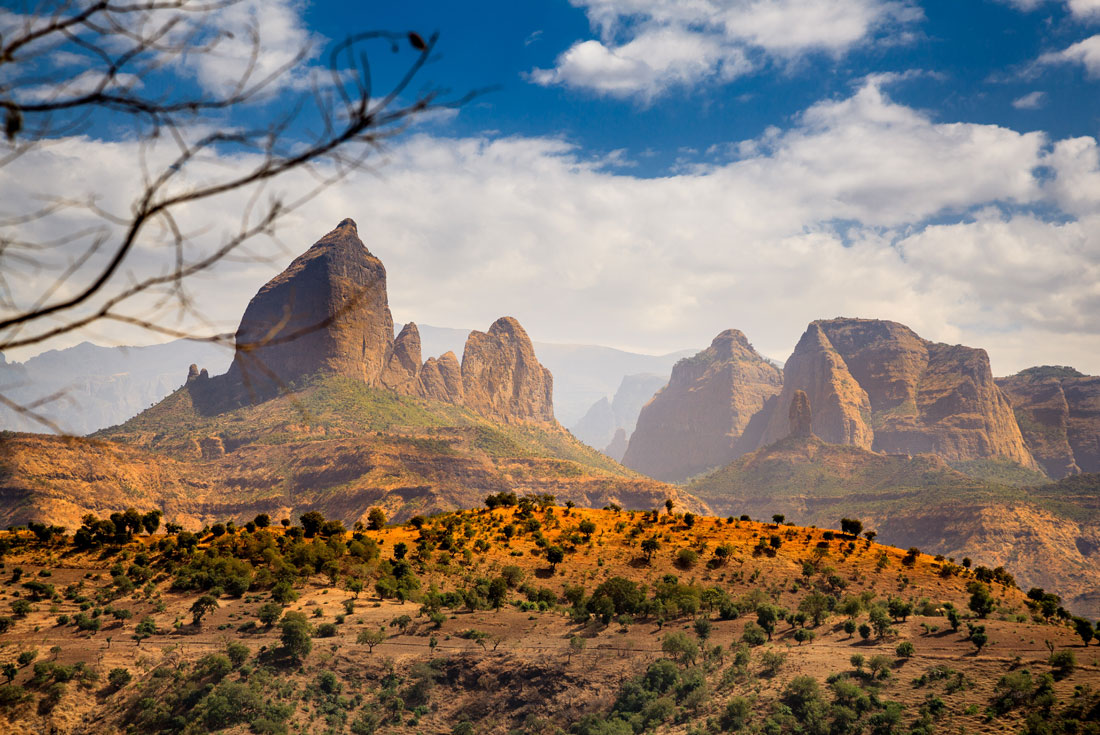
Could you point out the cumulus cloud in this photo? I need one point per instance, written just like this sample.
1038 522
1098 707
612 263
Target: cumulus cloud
1086 53
646 47
864 207
1080 9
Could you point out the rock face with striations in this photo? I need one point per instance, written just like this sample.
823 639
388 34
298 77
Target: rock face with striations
502 379
326 313
841 408
1058 410
696 422
402 373
877 385
441 379
801 416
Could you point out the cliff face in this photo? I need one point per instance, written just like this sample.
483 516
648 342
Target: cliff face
402 371
502 379
696 421
327 312
841 408
877 385
1058 411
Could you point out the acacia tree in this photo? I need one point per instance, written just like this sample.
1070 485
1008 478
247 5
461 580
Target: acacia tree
126 251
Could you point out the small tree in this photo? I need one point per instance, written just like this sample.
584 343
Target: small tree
295 632
904 649
1084 630
151 521
650 547
669 505
678 646
851 526
269 613
376 519
778 518
119 678
145 628
371 638
201 606
555 555
766 617
576 645
981 601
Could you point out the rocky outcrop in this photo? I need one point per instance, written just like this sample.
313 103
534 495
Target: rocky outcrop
617 448
326 313
502 379
441 379
1058 411
841 408
696 421
877 385
604 418
402 371
801 417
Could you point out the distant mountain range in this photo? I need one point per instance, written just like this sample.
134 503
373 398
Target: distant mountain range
98 386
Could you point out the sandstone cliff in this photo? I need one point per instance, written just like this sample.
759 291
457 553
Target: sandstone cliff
402 371
326 313
695 422
441 379
841 408
1058 410
501 377
877 385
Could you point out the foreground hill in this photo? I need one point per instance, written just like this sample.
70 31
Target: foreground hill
528 618
1048 535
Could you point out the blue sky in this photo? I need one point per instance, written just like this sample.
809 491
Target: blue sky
648 173
978 58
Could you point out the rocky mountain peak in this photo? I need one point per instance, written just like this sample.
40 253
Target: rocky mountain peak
502 378
326 313
403 368
698 420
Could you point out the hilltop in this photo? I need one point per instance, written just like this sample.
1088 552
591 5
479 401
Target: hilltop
529 618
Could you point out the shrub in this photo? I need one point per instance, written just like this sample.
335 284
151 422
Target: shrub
904 649
753 634
119 678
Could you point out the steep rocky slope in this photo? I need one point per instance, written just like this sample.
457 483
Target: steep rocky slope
1058 410
696 422
1047 536
877 385
605 418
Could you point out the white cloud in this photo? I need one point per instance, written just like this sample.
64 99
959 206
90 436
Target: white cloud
647 47
1080 9
1030 101
273 27
1086 53
827 218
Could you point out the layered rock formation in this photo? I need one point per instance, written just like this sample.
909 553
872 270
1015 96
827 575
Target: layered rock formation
502 379
877 385
696 422
441 379
801 416
326 313
1058 410
402 373
841 408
